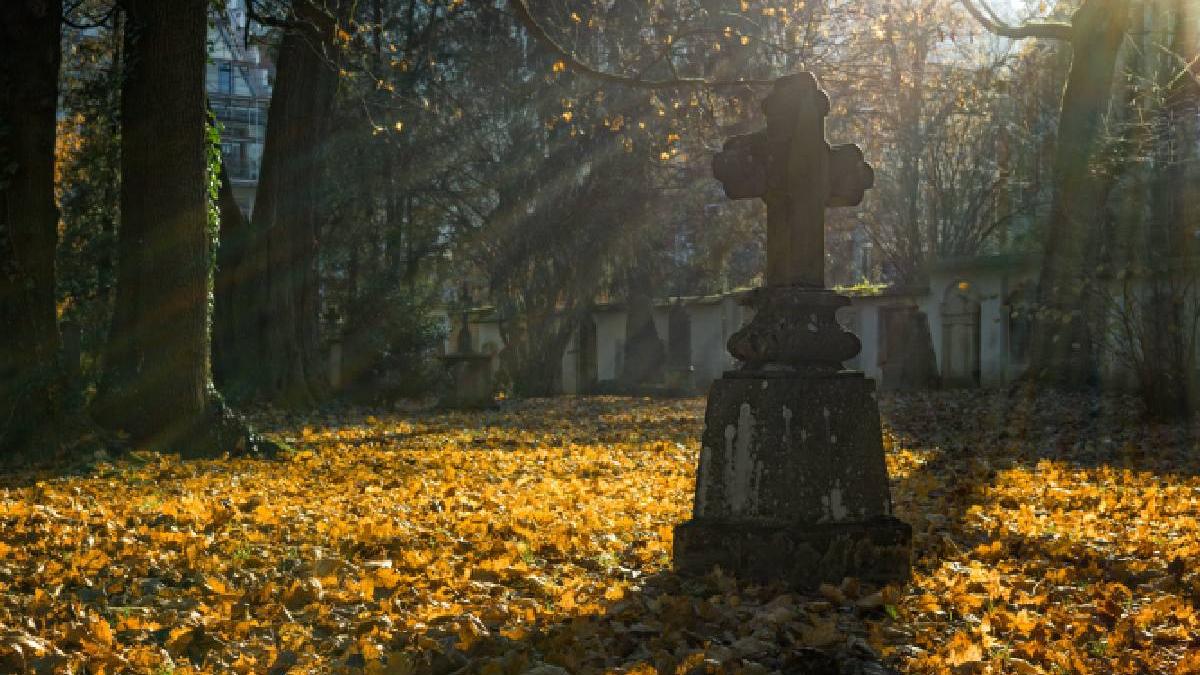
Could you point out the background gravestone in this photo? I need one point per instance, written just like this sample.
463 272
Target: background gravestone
644 349
470 373
680 372
907 358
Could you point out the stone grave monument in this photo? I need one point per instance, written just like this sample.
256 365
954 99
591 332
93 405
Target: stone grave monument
470 373
792 485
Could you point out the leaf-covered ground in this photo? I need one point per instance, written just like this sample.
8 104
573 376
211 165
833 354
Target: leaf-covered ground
1053 535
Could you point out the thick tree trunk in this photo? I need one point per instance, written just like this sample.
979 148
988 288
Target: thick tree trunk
1064 343
155 382
275 294
29 64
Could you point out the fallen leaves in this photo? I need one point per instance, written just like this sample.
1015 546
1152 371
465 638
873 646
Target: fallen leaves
1054 525
538 540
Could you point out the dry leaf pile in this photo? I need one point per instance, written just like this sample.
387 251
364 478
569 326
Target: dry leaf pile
1052 536
1056 534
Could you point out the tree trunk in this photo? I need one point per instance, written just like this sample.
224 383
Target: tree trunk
29 64
155 381
1063 344
1167 373
226 329
275 294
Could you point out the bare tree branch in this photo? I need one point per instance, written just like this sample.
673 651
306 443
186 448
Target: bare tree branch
571 61
1189 68
90 22
264 19
1043 30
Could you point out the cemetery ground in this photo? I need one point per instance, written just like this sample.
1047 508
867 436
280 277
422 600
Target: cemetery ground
1055 535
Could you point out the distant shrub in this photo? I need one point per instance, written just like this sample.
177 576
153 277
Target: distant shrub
390 347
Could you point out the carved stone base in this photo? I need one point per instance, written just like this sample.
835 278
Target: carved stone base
797 554
783 448
792 484
794 327
471 382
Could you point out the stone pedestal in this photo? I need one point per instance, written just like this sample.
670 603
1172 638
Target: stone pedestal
471 381
792 484
798 555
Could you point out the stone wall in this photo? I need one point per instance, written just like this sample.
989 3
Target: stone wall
992 286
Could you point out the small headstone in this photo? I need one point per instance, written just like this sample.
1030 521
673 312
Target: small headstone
471 385
680 371
588 364
792 486
463 344
909 362
644 349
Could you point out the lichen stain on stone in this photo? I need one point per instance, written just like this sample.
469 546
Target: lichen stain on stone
703 478
836 506
742 468
835 510
787 425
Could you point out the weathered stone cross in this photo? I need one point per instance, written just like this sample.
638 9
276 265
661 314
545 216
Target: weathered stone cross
792 485
791 167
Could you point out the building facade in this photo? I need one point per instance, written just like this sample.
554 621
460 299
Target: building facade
238 80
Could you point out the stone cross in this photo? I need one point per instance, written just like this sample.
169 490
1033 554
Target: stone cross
792 485
791 167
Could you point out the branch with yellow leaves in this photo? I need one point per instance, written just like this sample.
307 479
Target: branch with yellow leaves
572 62
1045 30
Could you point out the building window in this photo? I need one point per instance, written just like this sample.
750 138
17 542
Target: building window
225 78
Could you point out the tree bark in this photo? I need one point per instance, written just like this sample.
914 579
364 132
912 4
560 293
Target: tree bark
275 294
230 255
155 382
30 52
1064 343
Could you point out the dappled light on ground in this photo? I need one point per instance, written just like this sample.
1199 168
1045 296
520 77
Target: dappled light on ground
1051 536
